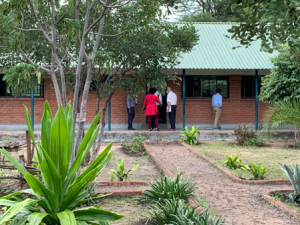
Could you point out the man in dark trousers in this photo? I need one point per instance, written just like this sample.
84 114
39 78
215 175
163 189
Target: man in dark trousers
171 108
131 103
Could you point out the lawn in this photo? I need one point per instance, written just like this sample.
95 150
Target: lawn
271 155
135 212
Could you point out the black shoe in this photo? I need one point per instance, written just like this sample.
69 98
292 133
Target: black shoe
131 129
219 128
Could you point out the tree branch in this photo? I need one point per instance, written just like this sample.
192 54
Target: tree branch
21 29
110 35
115 6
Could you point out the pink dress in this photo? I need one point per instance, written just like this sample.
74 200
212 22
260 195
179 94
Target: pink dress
150 104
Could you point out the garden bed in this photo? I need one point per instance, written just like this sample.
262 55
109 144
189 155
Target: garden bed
279 199
270 156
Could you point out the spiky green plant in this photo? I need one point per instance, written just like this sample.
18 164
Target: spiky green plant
233 162
178 212
166 188
294 178
191 135
283 114
257 170
120 173
55 199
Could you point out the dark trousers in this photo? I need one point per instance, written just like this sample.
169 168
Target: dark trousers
130 117
150 118
172 116
153 121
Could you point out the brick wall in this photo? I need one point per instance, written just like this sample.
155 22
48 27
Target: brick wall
198 111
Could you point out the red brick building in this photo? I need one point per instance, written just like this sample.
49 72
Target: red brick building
212 64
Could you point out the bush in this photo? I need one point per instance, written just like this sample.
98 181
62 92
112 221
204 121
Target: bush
294 178
233 162
166 188
135 145
56 197
257 170
190 135
246 136
177 211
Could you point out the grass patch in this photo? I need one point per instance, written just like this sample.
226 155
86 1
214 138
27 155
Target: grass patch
133 209
271 156
284 199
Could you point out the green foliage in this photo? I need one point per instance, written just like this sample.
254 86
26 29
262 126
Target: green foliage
272 21
191 135
283 114
166 188
56 197
21 78
120 173
178 212
294 178
257 170
233 162
244 134
283 81
135 144
255 142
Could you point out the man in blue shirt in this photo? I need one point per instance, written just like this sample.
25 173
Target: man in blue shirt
131 102
216 103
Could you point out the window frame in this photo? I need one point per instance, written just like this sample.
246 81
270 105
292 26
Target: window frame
243 84
228 86
24 96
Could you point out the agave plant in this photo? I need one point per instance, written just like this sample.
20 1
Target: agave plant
56 198
190 135
294 178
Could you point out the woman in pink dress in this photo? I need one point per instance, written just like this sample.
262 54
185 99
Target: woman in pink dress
151 108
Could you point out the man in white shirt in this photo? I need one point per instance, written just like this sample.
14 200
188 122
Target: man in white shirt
216 103
171 108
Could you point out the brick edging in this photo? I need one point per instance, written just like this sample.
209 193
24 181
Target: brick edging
281 205
123 183
193 202
230 175
122 193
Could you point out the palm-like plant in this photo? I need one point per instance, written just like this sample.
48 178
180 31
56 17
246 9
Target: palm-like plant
191 135
61 191
283 114
294 178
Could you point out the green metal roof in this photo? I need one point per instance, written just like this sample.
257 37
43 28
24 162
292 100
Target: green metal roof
214 51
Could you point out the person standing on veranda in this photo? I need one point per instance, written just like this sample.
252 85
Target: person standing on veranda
158 105
131 103
216 103
171 108
151 108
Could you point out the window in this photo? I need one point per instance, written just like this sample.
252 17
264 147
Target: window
248 86
38 89
206 86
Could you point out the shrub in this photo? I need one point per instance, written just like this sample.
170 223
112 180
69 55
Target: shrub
246 136
55 199
233 162
294 178
121 174
166 188
190 135
257 170
178 212
135 144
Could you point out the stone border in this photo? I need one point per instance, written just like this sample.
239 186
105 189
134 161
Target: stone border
230 175
281 205
123 183
193 202
122 193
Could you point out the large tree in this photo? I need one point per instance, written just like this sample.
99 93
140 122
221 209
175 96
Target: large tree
274 22
283 84
71 30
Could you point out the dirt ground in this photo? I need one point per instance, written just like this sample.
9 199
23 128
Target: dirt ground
147 170
275 152
135 212
239 204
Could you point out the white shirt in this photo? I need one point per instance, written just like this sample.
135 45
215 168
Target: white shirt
172 98
160 98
